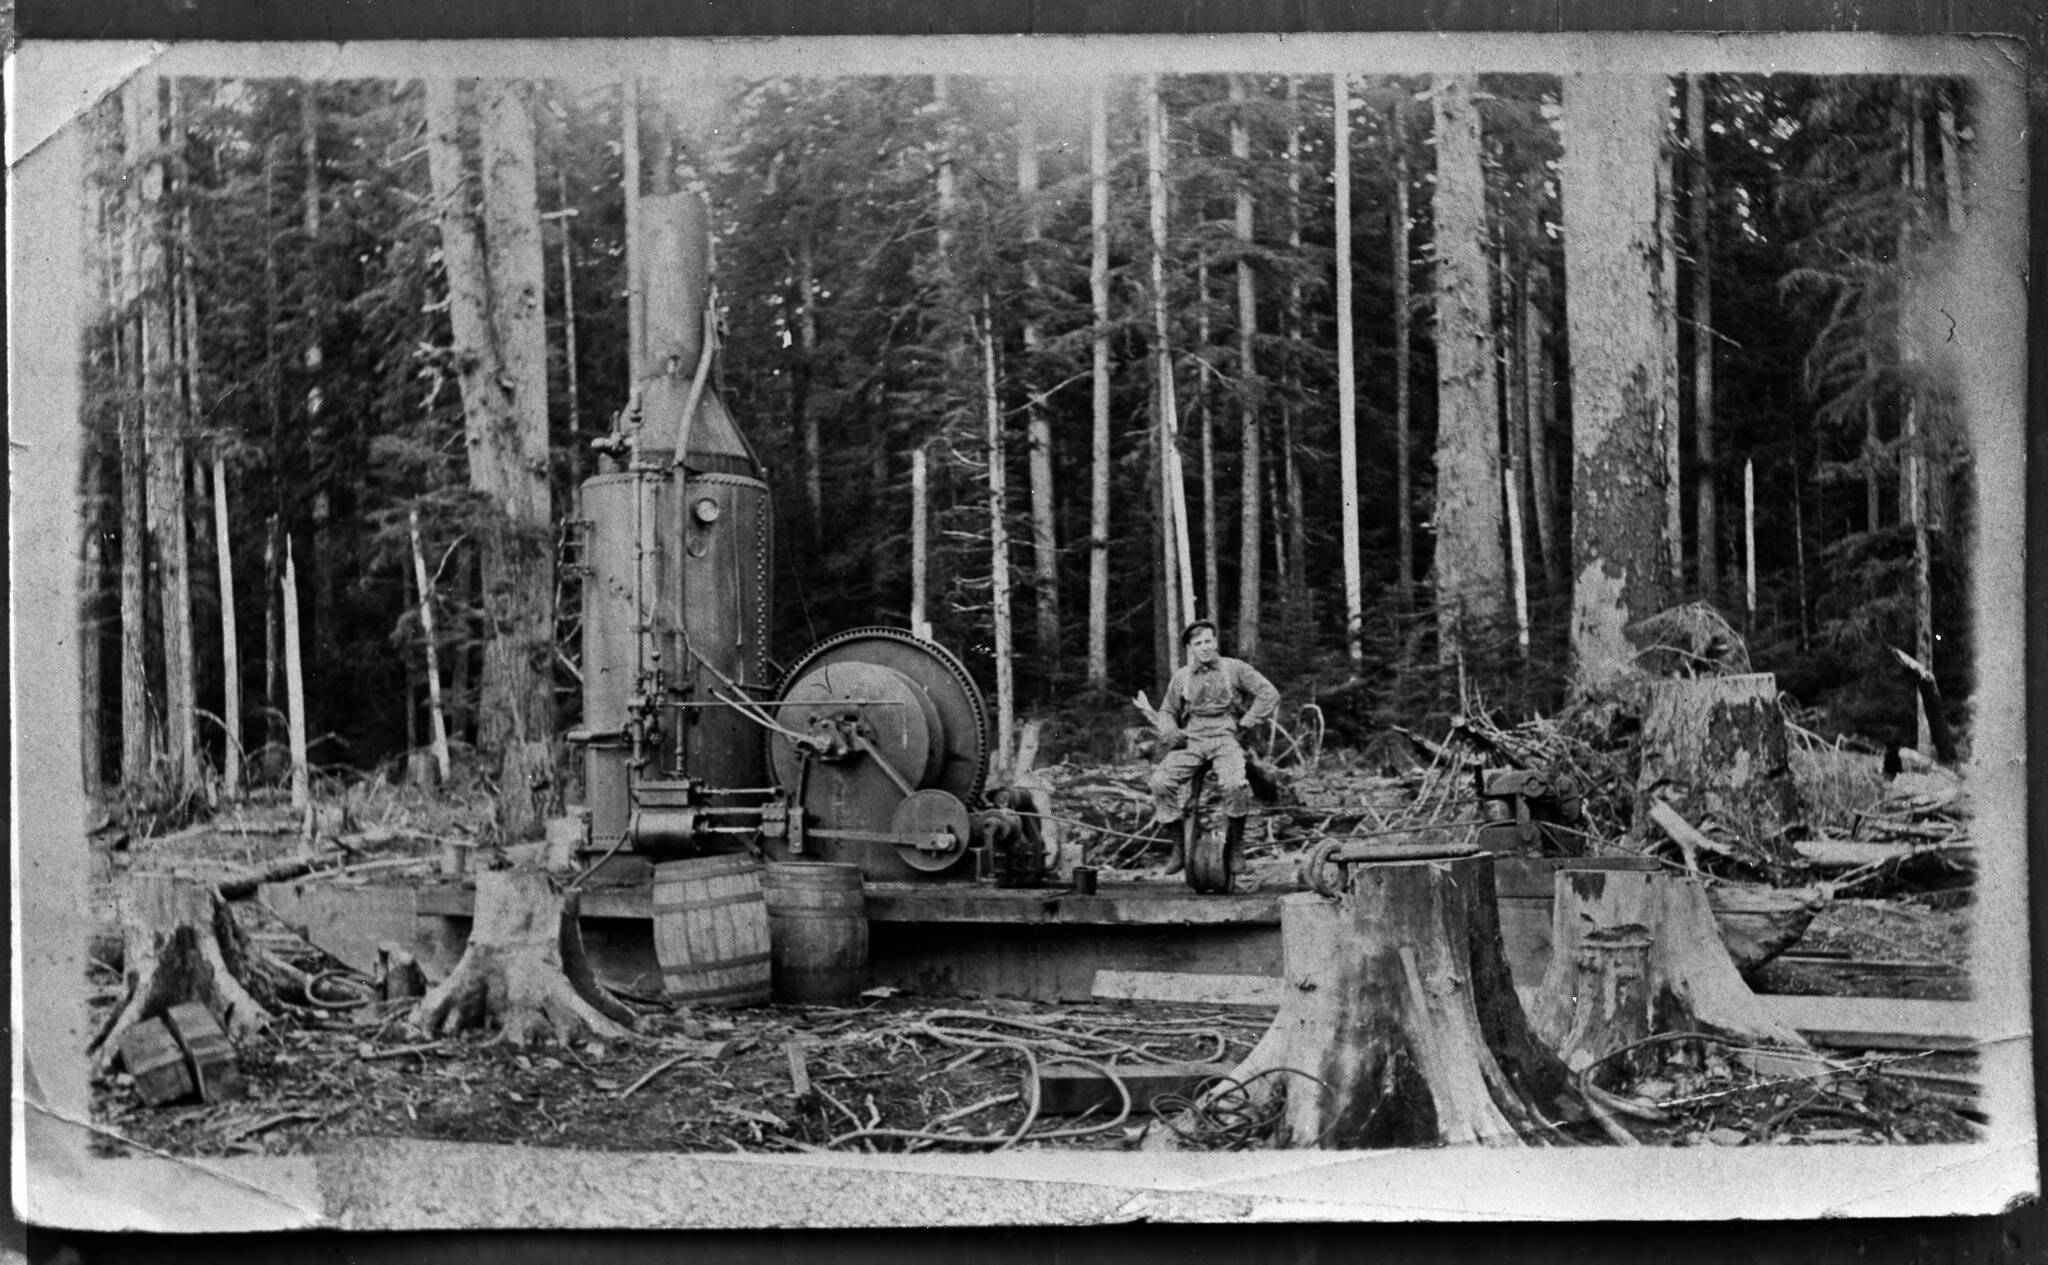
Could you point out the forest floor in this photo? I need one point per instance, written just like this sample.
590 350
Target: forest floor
907 1073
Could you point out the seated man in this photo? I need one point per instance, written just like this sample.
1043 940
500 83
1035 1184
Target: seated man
1208 701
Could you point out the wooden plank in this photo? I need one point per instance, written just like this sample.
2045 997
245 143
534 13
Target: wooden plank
348 922
1879 1023
1067 1089
1177 986
1868 1023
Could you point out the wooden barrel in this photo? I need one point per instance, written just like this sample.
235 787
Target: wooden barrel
817 931
711 931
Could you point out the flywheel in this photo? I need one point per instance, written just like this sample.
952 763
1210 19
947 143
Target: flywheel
870 717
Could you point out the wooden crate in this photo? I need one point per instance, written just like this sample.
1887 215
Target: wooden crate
212 1055
153 1058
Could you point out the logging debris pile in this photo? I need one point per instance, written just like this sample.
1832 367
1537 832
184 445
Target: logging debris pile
889 1075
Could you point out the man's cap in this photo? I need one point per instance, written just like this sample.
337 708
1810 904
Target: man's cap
1188 634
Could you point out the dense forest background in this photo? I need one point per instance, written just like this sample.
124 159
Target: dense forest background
908 268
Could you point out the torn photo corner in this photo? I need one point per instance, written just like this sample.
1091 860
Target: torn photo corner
576 606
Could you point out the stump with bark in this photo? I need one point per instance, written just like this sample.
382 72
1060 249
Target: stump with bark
1714 748
524 970
180 943
1401 1027
1685 983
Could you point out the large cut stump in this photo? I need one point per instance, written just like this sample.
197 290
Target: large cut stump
180 943
524 971
1714 749
1401 1027
1602 987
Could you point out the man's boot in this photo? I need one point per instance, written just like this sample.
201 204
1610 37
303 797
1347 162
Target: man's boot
1233 850
1177 860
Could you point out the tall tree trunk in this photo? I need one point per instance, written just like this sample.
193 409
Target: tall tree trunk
139 141
998 541
1404 492
1541 409
295 685
164 428
802 378
1347 379
1613 130
437 715
920 541
495 293
1296 577
1210 603
1514 368
1098 291
1706 511
636 293
1250 520
230 647
1180 609
1669 439
1913 443
1872 468
1470 571
570 384
920 457
1045 562
273 401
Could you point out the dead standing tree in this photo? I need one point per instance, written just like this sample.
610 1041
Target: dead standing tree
494 291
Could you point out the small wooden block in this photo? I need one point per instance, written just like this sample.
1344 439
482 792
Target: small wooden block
153 1058
214 1066
1067 1089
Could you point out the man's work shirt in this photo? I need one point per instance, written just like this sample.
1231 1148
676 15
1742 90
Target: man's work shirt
1205 701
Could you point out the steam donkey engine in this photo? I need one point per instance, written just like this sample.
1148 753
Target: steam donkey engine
871 749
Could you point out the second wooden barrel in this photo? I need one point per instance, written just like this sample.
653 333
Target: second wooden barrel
817 931
711 931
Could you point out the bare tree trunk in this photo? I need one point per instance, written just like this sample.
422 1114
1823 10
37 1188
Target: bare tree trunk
998 542
567 215
437 716
1542 478
1296 577
1674 481
137 749
164 429
1045 562
920 541
1404 491
1250 523
1210 603
1098 289
636 293
1470 571
1706 512
1347 379
230 647
800 382
1514 367
1181 610
1613 129
295 685
1913 456
495 296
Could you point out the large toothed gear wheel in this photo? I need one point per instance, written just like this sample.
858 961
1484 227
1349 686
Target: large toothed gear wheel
913 705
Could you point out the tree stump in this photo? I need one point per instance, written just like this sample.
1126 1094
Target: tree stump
1402 1027
180 943
1605 1004
524 970
1688 981
1714 748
